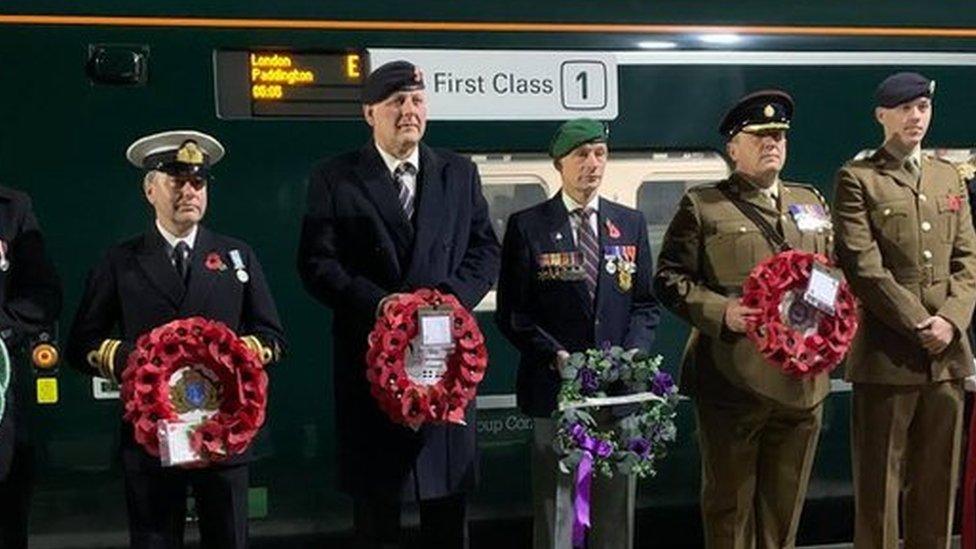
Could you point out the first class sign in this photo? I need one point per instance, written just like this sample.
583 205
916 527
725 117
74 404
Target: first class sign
512 84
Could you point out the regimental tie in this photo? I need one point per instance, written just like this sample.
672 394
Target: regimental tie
588 246
400 174
181 256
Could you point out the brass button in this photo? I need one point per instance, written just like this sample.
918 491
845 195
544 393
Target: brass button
927 254
742 229
926 226
887 211
922 197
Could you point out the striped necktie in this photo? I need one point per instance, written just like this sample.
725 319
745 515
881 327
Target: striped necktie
587 244
402 172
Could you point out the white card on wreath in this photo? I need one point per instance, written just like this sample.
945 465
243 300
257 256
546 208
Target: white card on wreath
435 328
822 289
174 443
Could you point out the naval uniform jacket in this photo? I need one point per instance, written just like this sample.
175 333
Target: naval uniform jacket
909 252
709 250
542 315
30 302
135 288
357 246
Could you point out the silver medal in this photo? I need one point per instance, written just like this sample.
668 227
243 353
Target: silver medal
235 258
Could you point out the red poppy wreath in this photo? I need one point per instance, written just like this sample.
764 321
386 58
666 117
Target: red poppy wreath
197 371
406 399
793 335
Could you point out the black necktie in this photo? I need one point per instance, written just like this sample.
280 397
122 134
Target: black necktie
181 253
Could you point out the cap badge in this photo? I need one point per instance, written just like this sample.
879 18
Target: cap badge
418 75
769 111
189 153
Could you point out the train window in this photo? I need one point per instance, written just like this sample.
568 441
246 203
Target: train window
508 194
658 200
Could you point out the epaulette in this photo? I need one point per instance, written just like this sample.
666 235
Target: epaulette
966 170
811 188
704 186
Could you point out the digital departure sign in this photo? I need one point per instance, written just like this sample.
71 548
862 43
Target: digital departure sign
259 83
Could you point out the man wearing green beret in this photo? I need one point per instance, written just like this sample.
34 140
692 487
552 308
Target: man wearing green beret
575 275
757 426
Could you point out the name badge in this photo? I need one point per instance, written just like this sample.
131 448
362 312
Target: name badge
822 288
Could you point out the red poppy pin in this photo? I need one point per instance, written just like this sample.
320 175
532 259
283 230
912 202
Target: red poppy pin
612 230
214 262
953 202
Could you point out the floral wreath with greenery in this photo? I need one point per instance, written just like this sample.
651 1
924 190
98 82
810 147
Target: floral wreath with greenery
636 403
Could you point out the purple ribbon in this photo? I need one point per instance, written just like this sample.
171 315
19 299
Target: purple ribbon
584 475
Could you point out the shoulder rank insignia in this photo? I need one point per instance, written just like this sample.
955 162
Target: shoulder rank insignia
966 170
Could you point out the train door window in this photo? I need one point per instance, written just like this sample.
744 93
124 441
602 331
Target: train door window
666 178
508 194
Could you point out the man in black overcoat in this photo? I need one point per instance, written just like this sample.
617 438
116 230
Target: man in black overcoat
394 216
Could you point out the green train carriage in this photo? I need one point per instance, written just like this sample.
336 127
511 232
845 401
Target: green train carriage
65 127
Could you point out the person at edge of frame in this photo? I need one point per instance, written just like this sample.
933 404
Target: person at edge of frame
30 302
906 242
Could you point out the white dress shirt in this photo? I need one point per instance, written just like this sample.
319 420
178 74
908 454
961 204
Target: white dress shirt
172 240
572 205
392 163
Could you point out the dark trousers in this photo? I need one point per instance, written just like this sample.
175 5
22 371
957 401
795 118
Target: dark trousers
15 491
442 523
156 501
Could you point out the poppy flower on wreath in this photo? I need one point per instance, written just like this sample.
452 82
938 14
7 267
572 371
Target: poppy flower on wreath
791 334
195 368
405 400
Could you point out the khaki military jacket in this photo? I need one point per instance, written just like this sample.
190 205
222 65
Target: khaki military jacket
708 251
908 250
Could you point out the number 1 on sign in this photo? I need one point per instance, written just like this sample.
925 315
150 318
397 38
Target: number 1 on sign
581 78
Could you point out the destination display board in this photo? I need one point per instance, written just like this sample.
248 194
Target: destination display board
269 83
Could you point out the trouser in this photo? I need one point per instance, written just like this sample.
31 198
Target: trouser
443 523
611 500
15 491
905 443
156 500
756 461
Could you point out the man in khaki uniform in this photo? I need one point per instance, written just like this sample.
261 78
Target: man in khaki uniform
757 426
906 243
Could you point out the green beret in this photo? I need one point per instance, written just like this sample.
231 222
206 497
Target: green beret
574 133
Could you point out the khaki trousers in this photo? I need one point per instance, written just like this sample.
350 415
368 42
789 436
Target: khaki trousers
756 461
905 444
611 501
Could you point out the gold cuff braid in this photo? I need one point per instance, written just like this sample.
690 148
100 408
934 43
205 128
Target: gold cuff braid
253 343
103 358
